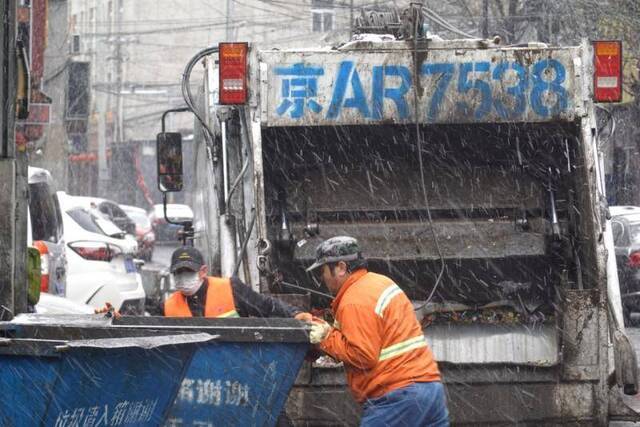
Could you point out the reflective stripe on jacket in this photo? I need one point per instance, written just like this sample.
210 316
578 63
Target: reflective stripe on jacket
378 337
219 301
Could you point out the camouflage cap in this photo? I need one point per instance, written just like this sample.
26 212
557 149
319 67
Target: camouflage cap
339 248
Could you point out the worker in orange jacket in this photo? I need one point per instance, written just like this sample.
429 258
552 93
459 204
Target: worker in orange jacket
199 295
390 369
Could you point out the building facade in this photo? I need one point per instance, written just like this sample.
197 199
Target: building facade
136 52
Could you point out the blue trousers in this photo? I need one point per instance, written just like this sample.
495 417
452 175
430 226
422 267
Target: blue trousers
419 404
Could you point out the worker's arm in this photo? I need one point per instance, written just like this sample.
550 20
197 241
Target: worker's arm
251 303
356 341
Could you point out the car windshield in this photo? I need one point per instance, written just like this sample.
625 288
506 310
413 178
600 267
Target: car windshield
140 218
85 220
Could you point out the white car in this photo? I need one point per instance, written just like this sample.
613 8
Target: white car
175 213
108 210
101 268
51 304
125 240
45 231
623 210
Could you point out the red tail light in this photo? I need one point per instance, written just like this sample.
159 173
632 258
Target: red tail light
44 264
95 251
607 79
634 260
233 73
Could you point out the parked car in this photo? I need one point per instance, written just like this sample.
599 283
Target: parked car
176 213
110 210
51 304
626 239
623 210
144 232
101 261
45 231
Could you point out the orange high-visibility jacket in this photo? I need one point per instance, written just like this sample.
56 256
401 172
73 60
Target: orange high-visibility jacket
378 337
219 301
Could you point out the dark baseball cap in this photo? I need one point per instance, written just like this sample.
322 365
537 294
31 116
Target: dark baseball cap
186 257
339 248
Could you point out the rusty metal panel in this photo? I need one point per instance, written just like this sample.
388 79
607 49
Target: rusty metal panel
530 403
480 188
461 239
331 87
580 335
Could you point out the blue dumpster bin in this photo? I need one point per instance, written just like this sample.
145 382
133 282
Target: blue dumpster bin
242 378
237 384
115 381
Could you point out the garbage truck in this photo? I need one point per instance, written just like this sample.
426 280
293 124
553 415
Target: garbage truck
469 171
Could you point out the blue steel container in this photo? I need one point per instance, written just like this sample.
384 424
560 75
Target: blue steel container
237 384
104 382
242 378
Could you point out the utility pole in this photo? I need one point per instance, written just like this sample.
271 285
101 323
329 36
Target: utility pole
104 107
485 19
103 171
350 19
228 23
119 120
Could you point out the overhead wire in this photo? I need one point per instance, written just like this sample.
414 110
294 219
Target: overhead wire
433 16
423 184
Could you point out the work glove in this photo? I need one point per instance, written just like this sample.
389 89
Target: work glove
108 310
304 316
319 331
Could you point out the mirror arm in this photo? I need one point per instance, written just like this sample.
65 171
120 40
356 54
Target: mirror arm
173 110
187 226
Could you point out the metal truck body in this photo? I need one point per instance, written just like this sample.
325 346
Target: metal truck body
470 174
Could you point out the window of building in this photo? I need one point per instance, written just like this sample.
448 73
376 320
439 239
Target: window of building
322 15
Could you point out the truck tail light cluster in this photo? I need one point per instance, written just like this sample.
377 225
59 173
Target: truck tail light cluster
233 72
607 79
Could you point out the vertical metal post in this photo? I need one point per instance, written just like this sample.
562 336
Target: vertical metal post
8 164
226 221
225 166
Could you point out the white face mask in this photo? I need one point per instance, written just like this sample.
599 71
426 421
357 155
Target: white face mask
188 282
